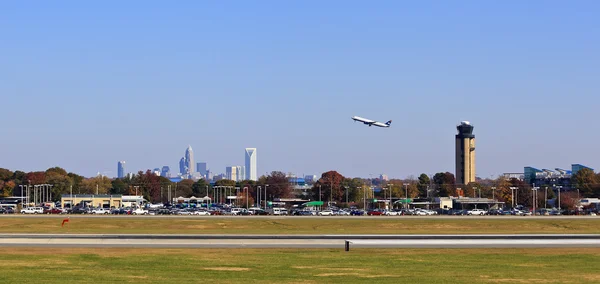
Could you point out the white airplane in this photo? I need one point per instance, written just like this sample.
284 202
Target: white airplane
371 122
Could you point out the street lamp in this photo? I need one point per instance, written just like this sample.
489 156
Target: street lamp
512 190
406 191
266 185
534 197
246 189
559 188
493 193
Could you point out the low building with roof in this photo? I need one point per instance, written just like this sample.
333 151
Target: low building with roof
91 200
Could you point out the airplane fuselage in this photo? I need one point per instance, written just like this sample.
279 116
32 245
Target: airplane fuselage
371 122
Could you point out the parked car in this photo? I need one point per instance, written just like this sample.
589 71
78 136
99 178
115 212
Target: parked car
358 212
32 210
139 211
326 213
390 213
53 211
375 212
100 211
343 213
479 212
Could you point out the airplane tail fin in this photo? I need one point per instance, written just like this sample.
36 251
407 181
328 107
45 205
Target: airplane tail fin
388 123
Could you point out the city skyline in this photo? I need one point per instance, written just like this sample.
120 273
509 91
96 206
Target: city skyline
262 75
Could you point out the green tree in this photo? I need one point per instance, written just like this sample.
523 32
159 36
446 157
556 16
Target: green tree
445 184
423 184
199 188
184 188
586 180
118 186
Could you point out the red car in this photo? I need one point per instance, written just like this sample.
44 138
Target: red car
52 211
374 213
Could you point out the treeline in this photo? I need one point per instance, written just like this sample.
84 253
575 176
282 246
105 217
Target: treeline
332 186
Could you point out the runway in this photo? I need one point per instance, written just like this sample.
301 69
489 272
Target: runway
299 241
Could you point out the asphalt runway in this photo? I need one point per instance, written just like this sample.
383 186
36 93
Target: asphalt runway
299 241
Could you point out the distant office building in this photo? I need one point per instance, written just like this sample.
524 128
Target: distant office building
189 160
310 179
201 168
165 172
121 169
218 177
182 167
242 173
251 171
519 176
231 173
465 153
383 177
156 171
552 178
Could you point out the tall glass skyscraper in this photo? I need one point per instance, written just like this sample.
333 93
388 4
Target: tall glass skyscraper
251 171
121 169
189 160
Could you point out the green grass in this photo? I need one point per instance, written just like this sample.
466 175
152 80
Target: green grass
88 265
299 225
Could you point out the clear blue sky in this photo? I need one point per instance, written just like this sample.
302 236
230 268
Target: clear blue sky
84 84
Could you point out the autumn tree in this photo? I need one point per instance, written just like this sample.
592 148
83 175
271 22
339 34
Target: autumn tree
330 185
96 185
278 185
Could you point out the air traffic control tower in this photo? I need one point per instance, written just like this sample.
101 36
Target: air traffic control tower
465 153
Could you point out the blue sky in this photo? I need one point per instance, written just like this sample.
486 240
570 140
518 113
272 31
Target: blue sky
85 84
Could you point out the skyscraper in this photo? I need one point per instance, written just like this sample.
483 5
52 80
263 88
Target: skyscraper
182 167
201 168
231 173
165 172
465 153
251 171
189 160
121 169
240 173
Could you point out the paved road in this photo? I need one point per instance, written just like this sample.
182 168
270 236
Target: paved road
301 241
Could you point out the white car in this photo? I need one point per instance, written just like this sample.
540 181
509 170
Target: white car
479 212
201 213
390 213
32 210
139 211
326 213
343 213
100 211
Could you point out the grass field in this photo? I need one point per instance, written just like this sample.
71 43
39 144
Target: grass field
217 225
84 265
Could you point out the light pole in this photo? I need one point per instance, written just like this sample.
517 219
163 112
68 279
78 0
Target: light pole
266 185
406 191
246 189
258 193
559 188
546 198
534 191
493 193
512 190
